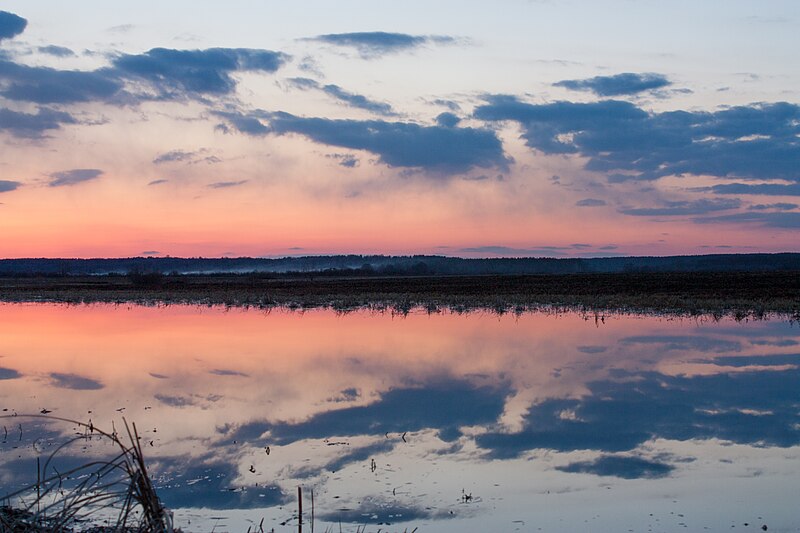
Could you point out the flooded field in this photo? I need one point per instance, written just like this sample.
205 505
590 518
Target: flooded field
441 422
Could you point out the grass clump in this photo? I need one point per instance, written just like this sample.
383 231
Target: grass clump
107 494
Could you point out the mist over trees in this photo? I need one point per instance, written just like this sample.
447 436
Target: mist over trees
381 265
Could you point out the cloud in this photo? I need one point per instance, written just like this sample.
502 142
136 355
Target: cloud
176 73
158 182
359 454
757 141
376 510
191 157
74 176
345 160
437 406
447 120
11 25
780 206
8 185
766 189
398 144
33 126
758 360
533 251
352 99
378 43
591 349
226 184
226 372
74 382
617 415
44 85
782 219
685 343
174 155
160 73
197 482
9 373
510 251
175 401
624 467
590 202
620 84
57 51
683 207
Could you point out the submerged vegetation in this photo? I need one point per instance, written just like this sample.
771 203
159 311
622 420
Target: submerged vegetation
717 294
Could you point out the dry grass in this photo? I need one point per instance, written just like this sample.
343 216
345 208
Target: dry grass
112 494
736 294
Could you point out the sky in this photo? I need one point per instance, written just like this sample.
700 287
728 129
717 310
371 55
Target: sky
473 129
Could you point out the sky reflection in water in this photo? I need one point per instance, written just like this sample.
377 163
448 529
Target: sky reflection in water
551 422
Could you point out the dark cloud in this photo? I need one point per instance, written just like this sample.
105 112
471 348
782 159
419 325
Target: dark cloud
377 43
193 482
621 466
778 342
781 206
592 349
345 160
359 454
9 373
74 176
685 343
8 185
160 73
766 189
510 251
374 510
357 100
759 360
44 85
173 156
449 104
590 202
226 184
74 381
150 252
782 219
226 372
158 182
683 207
175 401
758 141
243 124
534 251
33 126
11 25
57 51
447 404
352 99
398 144
196 72
447 120
757 408
619 84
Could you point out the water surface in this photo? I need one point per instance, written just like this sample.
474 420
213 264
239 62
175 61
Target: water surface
443 422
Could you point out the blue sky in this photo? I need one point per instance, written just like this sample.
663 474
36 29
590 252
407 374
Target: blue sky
457 128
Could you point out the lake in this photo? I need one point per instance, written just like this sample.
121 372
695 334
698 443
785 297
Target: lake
442 422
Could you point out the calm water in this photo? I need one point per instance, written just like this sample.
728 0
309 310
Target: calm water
442 422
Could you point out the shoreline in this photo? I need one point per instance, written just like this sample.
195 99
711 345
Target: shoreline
740 295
